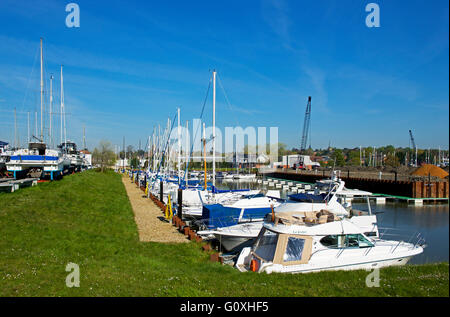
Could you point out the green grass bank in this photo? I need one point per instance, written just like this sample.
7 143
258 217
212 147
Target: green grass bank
87 219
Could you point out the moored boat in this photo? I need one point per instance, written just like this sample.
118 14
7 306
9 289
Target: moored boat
288 243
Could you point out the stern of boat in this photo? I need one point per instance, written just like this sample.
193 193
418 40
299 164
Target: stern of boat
243 261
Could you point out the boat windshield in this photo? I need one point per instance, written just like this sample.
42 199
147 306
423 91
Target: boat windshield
266 245
346 241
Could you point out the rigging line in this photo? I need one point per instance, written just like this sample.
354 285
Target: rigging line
226 98
195 136
31 74
164 150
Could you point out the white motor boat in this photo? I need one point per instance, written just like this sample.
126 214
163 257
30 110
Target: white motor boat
235 236
308 202
72 155
5 154
37 160
244 176
289 244
229 176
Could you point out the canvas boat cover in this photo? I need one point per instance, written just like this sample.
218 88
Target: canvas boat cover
218 216
302 197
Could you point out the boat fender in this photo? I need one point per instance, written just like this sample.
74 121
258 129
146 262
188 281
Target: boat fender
254 265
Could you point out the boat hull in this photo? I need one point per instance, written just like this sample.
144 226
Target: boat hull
333 264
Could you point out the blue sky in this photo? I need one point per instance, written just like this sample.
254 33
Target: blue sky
130 64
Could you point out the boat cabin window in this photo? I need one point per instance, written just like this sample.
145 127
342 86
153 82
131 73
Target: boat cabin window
357 241
333 241
294 249
266 245
346 241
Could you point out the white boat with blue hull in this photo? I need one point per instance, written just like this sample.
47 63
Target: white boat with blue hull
37 161
287 244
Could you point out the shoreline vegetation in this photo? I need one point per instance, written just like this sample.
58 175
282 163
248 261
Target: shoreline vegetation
87 219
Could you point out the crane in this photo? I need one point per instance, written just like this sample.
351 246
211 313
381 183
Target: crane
306 125
414 146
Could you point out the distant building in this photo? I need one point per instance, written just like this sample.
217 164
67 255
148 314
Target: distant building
121 163
299 161
87 157
262 160
242 160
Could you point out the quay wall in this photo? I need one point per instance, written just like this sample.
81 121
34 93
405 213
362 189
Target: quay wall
412 189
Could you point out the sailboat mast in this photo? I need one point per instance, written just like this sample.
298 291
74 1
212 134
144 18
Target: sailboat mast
84 138
204 151
63 109
154 150
62 104
186 150
15 128
179 149
28 125
214 128
50 111
42 93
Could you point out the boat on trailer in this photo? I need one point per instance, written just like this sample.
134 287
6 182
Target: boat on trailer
5 154
36 161
72 155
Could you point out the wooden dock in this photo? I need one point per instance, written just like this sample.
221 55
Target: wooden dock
378 198
426 190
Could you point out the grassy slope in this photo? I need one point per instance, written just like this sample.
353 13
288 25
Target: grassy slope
87 219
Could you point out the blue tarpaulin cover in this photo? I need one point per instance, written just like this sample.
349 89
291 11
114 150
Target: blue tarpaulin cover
302 197
217 215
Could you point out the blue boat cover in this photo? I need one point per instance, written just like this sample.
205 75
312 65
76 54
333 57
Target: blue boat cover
33 158
302 197
217 215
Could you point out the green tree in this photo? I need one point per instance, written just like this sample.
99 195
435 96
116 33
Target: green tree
104 155
134 162
353 158
338 157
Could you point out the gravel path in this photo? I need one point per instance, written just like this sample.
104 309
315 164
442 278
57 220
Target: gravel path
149 217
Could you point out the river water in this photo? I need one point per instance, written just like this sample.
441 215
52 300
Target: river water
399 221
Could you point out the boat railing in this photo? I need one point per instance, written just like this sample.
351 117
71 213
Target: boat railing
404 236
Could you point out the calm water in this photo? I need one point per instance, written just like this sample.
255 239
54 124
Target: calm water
400 221
404 221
